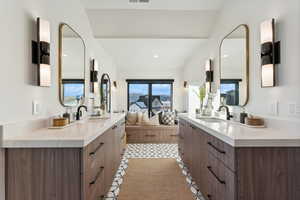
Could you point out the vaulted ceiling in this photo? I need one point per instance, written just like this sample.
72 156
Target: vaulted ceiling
134 33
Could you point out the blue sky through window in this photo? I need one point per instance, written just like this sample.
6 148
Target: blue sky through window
73 90
227 87
161 89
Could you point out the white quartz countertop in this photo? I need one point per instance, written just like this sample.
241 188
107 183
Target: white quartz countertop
77 135
238 135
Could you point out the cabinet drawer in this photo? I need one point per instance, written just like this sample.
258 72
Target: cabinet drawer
221 180
222 151
94 184
94 154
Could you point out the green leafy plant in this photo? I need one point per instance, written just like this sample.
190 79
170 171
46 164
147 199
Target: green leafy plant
201 92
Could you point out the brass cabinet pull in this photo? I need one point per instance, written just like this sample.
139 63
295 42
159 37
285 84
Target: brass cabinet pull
216 148
97 149
175 135
97 176
214 174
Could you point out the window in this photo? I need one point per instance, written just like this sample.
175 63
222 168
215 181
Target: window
230 91
150 95
73 91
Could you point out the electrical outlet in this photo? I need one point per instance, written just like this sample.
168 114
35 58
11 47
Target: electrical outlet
273 108
35 107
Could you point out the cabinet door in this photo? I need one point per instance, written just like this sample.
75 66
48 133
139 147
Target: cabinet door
203 177
187 146
181 138
109 159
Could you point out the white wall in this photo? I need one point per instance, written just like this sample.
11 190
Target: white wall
17 72
17 19
178 89
287 14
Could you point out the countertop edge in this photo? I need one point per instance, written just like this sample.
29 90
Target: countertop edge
244 142
59 143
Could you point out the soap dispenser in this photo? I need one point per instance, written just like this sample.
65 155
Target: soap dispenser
243 116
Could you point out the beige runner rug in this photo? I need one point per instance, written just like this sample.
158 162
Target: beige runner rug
154 179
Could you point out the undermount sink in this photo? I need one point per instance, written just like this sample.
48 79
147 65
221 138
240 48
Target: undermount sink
211 119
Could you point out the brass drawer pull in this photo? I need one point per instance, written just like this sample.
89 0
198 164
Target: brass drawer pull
216 148
97 176
174 135
214 174
97 149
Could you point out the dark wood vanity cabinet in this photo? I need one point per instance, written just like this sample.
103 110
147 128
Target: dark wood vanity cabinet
65 173
223 172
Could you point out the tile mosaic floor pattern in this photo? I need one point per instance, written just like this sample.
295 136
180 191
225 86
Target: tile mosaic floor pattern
150 151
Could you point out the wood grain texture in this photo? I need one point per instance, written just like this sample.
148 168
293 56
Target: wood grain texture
152 134
2 174
34 174
268 173
271 173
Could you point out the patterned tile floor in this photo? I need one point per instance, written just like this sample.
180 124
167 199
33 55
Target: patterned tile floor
150 151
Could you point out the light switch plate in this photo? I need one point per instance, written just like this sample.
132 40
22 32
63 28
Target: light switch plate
294 109
273 108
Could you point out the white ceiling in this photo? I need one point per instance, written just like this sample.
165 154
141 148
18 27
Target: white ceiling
151 23
140 54
155 4
132 33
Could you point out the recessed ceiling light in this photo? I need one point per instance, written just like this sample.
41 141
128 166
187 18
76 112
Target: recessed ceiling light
225 56
155 56
65 55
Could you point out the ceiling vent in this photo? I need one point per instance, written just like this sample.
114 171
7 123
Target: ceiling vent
139 1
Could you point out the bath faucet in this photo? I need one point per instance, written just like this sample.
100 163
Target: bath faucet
79 112
228 115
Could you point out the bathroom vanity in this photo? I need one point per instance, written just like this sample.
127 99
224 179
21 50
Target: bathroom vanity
75 163
232 162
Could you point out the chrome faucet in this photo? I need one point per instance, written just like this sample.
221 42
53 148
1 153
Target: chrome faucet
79 112
228 115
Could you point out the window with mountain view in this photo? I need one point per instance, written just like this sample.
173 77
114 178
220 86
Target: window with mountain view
150 95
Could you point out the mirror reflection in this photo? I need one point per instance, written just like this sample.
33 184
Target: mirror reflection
105 89
71 67
234 66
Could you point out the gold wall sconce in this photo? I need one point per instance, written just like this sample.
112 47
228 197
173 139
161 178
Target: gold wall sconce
41 53
270 53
